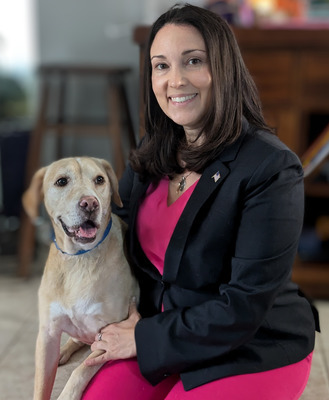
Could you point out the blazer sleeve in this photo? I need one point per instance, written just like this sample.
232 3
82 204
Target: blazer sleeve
271 214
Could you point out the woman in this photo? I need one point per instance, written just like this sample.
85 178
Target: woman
214 204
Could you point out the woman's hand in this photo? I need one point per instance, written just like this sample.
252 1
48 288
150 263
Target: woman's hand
117 339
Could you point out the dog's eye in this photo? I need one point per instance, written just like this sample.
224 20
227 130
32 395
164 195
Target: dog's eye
99 180
61 182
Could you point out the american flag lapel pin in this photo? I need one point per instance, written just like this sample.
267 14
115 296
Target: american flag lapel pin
216 176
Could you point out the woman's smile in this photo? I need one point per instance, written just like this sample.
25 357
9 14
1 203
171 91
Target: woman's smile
182 99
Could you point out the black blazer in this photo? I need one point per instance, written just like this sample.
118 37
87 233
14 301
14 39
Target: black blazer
229 305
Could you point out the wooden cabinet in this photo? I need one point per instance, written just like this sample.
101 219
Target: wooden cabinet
275 75
291 71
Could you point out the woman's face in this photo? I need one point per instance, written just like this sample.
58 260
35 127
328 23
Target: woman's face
181 78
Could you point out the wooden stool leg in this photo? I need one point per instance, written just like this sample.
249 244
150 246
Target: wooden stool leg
60 121
26 245
125 104
34 151
115 128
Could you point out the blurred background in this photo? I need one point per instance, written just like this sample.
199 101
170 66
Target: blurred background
34 33
70 85
56 64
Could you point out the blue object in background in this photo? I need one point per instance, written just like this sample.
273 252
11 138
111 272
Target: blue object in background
13 154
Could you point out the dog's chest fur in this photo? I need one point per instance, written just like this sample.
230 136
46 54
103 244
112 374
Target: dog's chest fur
81 321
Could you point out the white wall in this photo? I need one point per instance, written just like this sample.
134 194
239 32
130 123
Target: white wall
87 30
91 32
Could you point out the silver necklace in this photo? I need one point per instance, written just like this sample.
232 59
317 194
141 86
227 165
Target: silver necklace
182 183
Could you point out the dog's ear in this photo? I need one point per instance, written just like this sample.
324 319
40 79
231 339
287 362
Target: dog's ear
33 196
114 183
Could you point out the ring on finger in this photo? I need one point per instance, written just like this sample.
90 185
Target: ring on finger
99 336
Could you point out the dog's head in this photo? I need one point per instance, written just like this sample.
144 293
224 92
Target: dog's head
77 193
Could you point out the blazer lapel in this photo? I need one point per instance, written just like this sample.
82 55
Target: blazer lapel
210 180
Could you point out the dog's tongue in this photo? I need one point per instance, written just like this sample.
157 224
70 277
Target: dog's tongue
87 230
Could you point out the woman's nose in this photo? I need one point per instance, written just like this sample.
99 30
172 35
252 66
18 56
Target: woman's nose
176 78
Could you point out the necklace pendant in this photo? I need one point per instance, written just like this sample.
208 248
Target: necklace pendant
181 185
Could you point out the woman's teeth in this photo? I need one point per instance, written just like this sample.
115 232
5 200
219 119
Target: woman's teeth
182 99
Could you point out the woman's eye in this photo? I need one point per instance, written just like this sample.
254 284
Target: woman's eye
194 61
160 66
61 182
100 180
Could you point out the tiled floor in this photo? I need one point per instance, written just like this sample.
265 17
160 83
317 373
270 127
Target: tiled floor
18 330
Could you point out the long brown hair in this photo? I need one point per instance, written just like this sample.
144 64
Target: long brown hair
234 95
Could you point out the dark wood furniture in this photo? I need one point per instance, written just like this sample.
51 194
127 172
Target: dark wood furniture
291 70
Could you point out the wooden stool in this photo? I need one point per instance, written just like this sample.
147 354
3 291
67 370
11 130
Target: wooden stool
118 110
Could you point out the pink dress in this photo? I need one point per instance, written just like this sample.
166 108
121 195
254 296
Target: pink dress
156 221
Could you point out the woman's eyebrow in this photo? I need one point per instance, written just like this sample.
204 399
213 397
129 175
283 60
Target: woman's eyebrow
160 56
192 50
183 53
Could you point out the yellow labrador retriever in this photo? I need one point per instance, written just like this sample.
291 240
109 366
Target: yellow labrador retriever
87 282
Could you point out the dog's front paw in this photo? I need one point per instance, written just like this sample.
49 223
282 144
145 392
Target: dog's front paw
70 347
63 358
65 354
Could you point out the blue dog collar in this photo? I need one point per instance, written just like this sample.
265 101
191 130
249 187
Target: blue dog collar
106 232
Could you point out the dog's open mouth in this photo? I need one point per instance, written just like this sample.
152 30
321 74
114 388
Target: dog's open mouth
85 233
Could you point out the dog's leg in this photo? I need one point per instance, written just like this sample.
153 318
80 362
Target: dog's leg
79 379
47 356
70 347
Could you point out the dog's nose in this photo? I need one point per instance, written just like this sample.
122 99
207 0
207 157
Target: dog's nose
89 203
